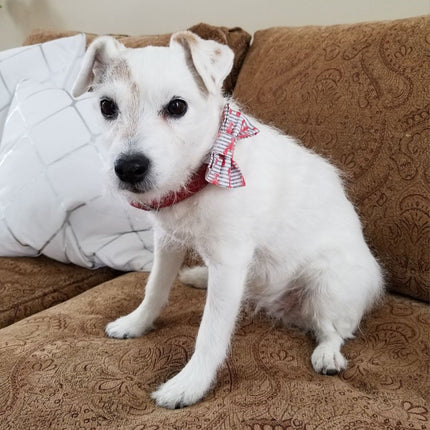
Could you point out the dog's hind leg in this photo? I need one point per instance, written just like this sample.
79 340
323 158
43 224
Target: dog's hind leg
327 358
167 261
338 300
333 306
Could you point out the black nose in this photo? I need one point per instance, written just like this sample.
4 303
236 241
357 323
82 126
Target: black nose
132 168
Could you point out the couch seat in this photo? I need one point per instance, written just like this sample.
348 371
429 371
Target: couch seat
29 285
59 370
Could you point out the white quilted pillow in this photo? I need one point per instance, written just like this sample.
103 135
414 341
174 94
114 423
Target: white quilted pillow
53 197
55 61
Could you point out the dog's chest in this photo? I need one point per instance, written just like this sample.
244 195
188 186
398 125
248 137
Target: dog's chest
183 226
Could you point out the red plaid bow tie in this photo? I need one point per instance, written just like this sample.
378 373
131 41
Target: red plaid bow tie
222 170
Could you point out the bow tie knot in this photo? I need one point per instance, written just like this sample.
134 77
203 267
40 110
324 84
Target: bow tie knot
222 170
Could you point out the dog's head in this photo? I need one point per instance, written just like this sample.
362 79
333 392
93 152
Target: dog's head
161 107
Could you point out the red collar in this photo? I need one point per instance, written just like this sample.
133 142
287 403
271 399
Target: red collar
196 183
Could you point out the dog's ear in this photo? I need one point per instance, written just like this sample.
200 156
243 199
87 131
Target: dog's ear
99 54
209 61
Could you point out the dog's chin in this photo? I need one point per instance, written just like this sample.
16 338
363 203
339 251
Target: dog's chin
142 192
131 189
137 189
134 192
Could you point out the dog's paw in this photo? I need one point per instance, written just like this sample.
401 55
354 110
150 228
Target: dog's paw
126 327
328 361
196 277
179 392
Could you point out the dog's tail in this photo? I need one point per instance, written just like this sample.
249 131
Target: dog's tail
196 276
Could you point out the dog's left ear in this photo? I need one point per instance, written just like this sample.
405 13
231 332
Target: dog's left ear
99 54
211 60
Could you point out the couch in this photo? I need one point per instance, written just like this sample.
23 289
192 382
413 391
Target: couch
357 94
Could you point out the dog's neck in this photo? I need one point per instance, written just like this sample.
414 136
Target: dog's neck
220 169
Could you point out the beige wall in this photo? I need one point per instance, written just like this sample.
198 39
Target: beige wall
18 17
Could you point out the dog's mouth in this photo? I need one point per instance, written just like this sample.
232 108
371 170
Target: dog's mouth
140 188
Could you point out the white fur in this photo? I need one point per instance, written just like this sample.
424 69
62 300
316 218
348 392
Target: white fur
196 277
289 240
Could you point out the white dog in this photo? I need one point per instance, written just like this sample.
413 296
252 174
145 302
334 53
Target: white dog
269 217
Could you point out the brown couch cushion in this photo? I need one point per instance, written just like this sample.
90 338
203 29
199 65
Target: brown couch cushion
29 285
59 370
236 38
359 94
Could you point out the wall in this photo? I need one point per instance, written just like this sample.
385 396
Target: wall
18 17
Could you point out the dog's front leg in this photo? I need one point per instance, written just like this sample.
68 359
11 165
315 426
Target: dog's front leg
225 290
168 258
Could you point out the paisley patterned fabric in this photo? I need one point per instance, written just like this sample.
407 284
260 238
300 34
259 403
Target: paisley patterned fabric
358 94
59 370
29 285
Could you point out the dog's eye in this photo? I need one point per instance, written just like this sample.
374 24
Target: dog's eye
176 108
108 108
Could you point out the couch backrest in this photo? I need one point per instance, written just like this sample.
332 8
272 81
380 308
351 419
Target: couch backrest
358 94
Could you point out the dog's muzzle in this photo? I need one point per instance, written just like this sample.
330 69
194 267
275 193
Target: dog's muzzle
132 169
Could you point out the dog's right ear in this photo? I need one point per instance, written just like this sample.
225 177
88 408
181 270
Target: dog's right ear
99 54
